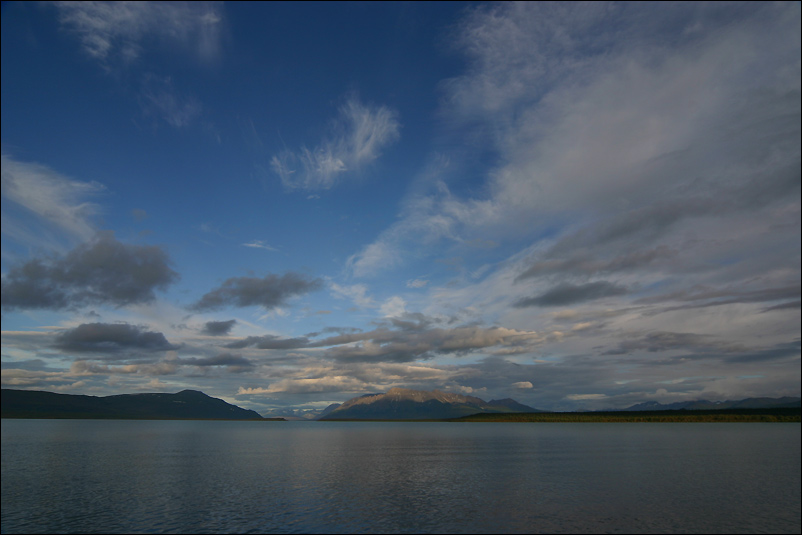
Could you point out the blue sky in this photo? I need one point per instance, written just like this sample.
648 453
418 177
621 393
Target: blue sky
578 206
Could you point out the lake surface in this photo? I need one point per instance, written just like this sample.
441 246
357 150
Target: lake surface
112 476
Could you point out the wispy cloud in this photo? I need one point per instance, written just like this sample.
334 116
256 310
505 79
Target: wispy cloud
115 32
569 294
358 293
57 202
118 35
357 137
628 184
610 138
259 244
159 98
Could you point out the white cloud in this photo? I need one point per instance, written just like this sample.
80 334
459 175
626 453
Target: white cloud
54 199
393 307
336 383
158 97
356 293
113 32
417 283
594 130
259 244
523 385
585 397
357 138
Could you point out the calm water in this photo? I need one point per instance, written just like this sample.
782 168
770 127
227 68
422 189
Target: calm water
89 476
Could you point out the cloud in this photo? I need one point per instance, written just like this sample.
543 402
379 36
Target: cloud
417 283
218 328
225 359
14 377
111 339
784 351
269 342
259 244
56 201
85 367
522 385
269 292
615 134
316 385
585 397
393 307
582 262
422 341
159 98
357 138
401 339
117 32
100 272
427 218
569 294
785 306
671 341
356 292
701 296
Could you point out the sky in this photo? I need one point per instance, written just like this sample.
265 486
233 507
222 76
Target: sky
287 205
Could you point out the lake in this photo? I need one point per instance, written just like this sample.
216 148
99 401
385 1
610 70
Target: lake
117 476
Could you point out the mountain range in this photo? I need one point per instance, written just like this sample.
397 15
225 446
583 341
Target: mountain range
293 414
703 404
395 404
185 405
406 404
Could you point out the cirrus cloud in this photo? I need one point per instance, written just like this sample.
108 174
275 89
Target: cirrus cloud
357 138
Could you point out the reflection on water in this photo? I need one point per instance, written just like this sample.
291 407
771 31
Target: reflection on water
406 477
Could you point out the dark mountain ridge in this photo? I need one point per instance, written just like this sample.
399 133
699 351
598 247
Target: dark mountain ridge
406 404
185 405
703 404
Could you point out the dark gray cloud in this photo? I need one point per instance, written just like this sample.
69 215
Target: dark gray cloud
110 339
413 321
269 292
788 350
785 306
30 364
269 342
100 272
584 263
741 355
670 341
702 296
218 328
569 294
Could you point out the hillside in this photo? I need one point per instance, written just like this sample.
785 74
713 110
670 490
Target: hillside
783 414
406 404
703 404
185 405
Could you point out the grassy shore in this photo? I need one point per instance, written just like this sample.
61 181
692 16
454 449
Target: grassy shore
722 415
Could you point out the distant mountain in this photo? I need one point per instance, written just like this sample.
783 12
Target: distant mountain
703 404
185 405
328 409
300 414
405 404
